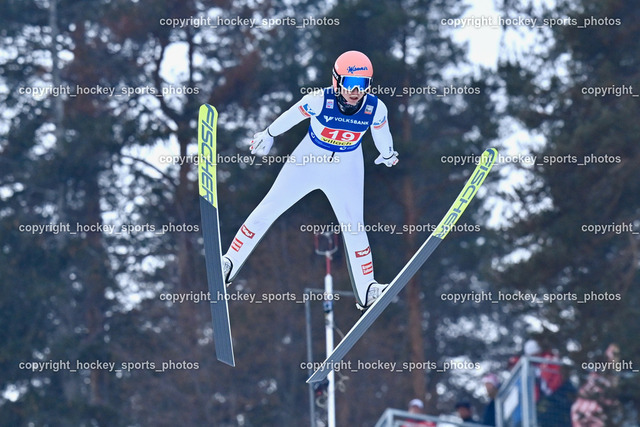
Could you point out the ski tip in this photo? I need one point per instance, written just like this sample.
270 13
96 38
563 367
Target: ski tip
487 160
208 107
489 156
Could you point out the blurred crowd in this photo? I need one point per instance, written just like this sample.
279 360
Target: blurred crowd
558 402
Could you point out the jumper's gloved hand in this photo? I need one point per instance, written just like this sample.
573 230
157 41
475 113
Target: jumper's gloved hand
261 143
389 161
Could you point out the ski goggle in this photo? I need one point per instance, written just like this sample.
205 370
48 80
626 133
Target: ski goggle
350 83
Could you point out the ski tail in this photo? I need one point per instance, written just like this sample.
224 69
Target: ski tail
207 133
470 189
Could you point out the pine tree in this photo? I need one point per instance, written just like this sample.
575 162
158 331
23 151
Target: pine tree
591 138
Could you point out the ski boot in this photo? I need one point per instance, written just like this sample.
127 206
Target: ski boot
374 290
227 266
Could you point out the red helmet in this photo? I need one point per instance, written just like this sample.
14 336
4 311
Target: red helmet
352 70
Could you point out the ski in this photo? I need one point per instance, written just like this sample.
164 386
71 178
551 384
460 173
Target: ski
470 189
207 122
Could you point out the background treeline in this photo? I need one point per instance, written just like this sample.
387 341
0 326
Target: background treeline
94 159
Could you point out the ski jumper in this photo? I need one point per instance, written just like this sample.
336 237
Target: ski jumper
335 136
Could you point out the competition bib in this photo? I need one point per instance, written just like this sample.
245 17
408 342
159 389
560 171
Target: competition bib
340 132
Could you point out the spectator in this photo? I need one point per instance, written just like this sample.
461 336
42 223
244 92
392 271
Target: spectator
596 405
492 385
417 407
553 393
464 412
549 376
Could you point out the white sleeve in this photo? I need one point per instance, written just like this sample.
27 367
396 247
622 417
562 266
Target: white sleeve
309 105
380 131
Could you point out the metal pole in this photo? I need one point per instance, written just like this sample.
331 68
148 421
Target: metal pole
527 395
328 326
307 316
331 243
307 309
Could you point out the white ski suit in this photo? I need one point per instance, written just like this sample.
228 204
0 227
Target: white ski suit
328 158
